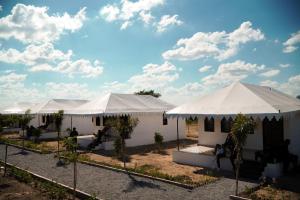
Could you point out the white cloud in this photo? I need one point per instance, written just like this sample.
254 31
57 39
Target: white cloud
126 11
45 57
231 72
34 54
12 88
125 25
31 24
204 68
154 76
110 12
270 73
167 21
146 17
291 86
284 65
68 91
290 44
219 45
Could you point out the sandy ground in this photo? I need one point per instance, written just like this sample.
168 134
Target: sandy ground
148 155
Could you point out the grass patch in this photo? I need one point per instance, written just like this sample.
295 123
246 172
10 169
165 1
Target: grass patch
150 170
269 192
42 147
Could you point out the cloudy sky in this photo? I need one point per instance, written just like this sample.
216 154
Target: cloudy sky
81 49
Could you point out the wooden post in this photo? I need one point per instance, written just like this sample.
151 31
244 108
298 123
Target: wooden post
75 177
71 123
177 136
5 160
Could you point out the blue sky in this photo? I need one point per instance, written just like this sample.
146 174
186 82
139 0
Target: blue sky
82 49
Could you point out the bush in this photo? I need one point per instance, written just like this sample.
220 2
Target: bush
1 129
118 146
158 138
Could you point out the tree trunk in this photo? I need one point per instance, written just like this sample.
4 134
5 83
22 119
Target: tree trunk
237 170
5 161
23 139
58 145
74 178
123 152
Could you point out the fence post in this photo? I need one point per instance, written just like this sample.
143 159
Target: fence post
5 160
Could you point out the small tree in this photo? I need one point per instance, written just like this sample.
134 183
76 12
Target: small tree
125 126
24 121
242 126
36 133
158 138
58 118
71 146
148 92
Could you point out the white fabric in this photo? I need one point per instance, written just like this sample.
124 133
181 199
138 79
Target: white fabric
116 104
54 105
239 98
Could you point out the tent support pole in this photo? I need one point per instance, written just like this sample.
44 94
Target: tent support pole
177 136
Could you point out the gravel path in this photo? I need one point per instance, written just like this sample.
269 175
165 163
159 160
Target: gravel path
108 184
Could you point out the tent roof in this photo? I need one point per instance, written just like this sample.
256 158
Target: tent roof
239 98
114 104
54 105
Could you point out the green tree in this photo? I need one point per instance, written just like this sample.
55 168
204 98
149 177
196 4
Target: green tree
242 126
24 121
148 92
298 97
124 126
58 118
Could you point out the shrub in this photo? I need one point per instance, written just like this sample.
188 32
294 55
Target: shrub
158 138
118 146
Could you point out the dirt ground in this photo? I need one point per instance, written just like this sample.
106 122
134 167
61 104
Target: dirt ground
274 194
11 189
148 155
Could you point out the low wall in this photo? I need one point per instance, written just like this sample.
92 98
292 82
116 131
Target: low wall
202 160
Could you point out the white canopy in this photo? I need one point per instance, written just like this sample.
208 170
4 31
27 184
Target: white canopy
18 108
122 104
239 98
54 105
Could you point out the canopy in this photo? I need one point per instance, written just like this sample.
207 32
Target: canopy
122 104
237 98
18 108
54 105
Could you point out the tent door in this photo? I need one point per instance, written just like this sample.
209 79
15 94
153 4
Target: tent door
272 133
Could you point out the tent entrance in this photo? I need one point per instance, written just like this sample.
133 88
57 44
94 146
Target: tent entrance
272 133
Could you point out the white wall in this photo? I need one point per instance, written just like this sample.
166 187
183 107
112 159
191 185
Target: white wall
292 132
254 141
83 124
149 124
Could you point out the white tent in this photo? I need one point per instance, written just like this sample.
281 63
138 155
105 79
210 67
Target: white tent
54 105
120 104
239 98
262 103
147 109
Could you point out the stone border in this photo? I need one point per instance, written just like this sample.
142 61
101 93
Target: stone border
233 197
80 194
187 186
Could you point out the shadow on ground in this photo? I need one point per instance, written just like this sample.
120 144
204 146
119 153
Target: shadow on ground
134 184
